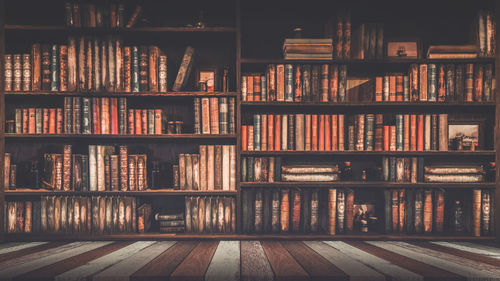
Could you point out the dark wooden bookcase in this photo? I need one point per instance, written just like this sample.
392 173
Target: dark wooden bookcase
246 36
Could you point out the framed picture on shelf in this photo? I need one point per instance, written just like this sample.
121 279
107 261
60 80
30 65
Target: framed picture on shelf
206 79
403 48
465 135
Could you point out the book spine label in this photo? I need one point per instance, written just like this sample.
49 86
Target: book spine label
289 95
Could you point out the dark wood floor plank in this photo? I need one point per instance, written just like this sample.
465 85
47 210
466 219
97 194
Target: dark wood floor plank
162 266
317 267
460 253
49 272
254 263
195 265
429 272
27 251
285 267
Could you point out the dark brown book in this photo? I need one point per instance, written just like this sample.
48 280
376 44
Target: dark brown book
285 211
218 168
476 212
127 69
296 207
154 54
439 211
184 69
36 67
143 68
144 218
349 211
258 210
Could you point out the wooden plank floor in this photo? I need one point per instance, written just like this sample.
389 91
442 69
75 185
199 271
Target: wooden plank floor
249 260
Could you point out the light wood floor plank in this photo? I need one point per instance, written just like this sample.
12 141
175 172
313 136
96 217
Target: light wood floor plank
225 264
472 248
254 263
196 263
12 247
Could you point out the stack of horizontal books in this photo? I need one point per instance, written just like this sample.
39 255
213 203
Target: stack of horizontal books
308 49
448 173
310 173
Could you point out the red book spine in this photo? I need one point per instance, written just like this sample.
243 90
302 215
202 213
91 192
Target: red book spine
45 124
392 88
96 120
138 122
114 116
413 132
379 91
392 141
244 137
144 121
341 132
52 121
249 88
334 83
105 116
32 121
314 132
277 132
158 117
25 121
335 131
420 134
59 121
131 121
270 132
214 115
399 88
406 132
321 133
256 87
263 132
328 135
250 137
387 130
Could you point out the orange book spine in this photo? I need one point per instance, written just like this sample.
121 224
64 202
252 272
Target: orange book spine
341 132
277 132
321 133
335 132
158 117
45 124
401 210
314 132
392 88
413 132
406 132
114 116
263 132
31 121
250 137
249 88
308 132
244 137
392 141
52 120
270 132
399 88
328 136
378 88
256 87
387 130
59 121
395 210
144 119
138 122
214 115
420 132
131 122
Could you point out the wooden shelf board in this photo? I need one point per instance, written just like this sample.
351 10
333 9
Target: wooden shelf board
123 94
182 236
119 30
149 192
121 137
362 62
367 184
371 105
379 153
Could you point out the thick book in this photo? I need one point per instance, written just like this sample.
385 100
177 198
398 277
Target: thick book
184 69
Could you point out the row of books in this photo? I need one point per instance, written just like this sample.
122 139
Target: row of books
92 15
214 115
297 210
210 214
214 168
425 211
367 132
486 30
170 223
402 169
260 169
296 82
368 41
440 82
87 64
100 170
454 173
77 214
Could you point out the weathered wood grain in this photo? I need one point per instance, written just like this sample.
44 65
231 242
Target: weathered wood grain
5 258
472 248
196 263
285 267
254 263
17 246
225 264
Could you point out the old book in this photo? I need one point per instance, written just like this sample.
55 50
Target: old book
332 210
258 212
206 123
280 82
340 211
67 167
476 212
285 211
9 72
310 177
143 68
275 211
485 212
184 69
218 167
428 211
211 166
296 207
26 72
18 71
162 73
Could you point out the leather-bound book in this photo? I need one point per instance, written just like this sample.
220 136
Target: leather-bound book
197 115
296 206
144 121
270 132
214 115
339 44
132 172
263 132
285 211
223 115
189 171
9 72
423 82
476 212
127 69
31 120
420 132
203 167
138 121
306 82
19 216
184 70
250 88
342 83
332 210
134 69
297 83
201 214
36 67
321 132
450 82
26 61
205 116
162 73
340 211
391 81
485 212
218 167
111 82
195 175
341 138
315 82
232 167
11 216
188 219
402 211
439 211
271 82
277 132
419 202
346 33
119 60
469 82
54 68
142 178
231 116
308 132
289 94
488 81
67 167
220 215
478 82
395 210
459 82
284 132
258 212
275 211
280 82
143 68
443 132
349 210
334 133
77 115
28 218
211 166
314 221
150 121
18 72
428 211
399 88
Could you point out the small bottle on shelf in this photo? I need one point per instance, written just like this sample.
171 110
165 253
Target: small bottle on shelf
347 172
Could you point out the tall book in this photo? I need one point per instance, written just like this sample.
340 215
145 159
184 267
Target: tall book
184 69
